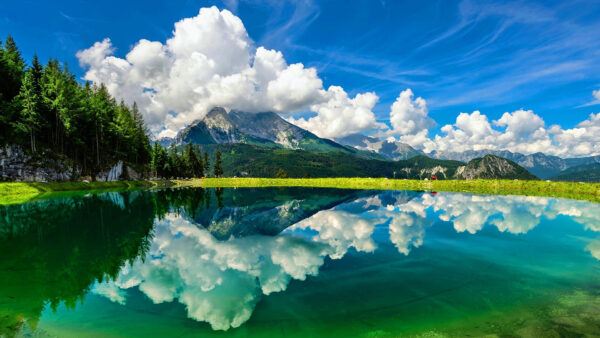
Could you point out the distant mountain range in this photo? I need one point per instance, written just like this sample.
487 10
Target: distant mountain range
264 142
541 165
491 166
391 150
580 173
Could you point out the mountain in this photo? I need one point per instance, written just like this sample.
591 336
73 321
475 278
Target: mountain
264 211
577 161
539 164
493 167
580 173
391 150
256 161
265 129
164 141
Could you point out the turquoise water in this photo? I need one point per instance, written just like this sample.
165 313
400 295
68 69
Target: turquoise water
299 262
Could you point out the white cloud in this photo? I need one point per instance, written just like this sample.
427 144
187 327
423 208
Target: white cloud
211 61
95 54
409 116
340 115
520 131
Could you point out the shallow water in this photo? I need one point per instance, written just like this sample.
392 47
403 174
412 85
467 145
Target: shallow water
299 262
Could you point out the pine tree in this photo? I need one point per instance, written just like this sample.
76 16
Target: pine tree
12 70
206 163
218 170
194 166
29 120
15 64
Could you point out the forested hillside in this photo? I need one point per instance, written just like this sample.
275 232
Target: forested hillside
47 112
253 161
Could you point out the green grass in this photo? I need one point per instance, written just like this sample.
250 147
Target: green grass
21 192
580 191
11 193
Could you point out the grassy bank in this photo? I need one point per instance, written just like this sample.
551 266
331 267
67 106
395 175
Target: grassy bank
20 192
581 191
11 193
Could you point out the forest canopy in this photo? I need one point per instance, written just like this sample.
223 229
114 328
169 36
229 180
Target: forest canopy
47 112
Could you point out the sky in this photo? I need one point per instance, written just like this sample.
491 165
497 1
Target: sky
439 75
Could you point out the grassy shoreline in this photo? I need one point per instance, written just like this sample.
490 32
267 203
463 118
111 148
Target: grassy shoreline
20 192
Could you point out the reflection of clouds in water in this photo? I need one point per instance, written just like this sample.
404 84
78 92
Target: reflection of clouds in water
585 213
514 214
594 248
407 230
341 230
220 281
110 291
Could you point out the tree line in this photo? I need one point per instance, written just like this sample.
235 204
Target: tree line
46 111
190 162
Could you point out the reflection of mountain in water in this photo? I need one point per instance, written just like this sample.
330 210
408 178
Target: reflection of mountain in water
219 251
267 211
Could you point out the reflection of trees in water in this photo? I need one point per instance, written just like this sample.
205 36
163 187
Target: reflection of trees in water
53 250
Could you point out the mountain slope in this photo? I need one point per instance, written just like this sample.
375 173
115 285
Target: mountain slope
391 150
539 164
262 129
493 167
581 173
254 161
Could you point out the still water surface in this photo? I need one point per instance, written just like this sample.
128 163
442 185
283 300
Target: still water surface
299 262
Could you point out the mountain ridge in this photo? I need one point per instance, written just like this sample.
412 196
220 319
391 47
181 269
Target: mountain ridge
540 164
493 167
266 129
391 150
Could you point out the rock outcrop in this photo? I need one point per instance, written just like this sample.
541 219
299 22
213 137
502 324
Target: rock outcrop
16 165
492 167
265 129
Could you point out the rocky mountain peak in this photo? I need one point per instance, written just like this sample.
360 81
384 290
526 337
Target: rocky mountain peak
492 167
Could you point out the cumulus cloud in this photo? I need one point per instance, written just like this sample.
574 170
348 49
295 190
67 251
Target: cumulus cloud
596 94
409 116
518 131
211 61
340 115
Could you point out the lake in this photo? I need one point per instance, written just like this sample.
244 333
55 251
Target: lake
299 262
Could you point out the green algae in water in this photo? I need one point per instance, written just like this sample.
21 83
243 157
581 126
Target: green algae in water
299 262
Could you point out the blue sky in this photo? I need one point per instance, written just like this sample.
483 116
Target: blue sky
460 56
